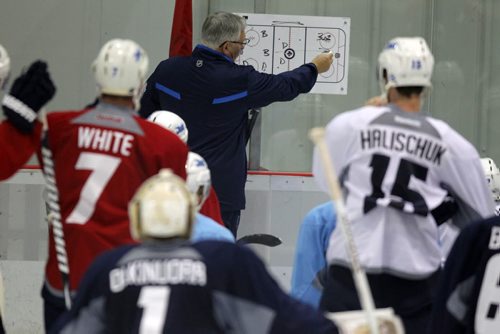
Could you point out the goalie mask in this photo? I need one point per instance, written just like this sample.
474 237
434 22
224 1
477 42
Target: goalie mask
492 176
162 207
171 122
198 177
120 68
4 67
406 61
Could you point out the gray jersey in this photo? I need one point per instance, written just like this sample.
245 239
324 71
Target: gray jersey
395 168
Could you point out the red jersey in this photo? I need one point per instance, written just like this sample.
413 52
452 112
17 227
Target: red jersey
101 156
211 207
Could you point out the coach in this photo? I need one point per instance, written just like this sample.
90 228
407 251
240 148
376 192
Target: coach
213 95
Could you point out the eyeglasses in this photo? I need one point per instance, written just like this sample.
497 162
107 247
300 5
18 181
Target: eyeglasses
245 42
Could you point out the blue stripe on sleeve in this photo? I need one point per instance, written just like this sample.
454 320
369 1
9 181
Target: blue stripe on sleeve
168 91
230 98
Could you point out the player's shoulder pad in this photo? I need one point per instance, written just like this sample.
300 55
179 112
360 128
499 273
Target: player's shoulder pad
356 117
63 115
457 144
219 252
108 259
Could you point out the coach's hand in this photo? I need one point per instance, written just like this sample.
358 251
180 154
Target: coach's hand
29 93
377 101
323 61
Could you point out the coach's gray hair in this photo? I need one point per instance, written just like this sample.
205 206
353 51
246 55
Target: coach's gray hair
221 27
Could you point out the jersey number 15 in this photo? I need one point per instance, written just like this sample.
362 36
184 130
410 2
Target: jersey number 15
400 192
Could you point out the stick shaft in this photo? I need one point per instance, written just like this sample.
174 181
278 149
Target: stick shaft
361 282
54 218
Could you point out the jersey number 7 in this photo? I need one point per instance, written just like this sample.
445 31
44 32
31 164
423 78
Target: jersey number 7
103 167
400 193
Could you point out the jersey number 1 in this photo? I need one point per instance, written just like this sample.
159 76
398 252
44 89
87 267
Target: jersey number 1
400 193
154 301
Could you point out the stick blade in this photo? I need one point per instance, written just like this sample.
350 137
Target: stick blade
260 239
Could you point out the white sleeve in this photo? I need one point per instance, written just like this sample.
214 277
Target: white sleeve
463 176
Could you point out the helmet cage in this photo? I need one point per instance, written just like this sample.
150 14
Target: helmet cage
492 174
198 177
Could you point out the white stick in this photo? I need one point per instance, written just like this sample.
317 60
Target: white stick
317 135
54 218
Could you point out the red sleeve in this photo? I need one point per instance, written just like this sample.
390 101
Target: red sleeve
211 207
177 154
16 147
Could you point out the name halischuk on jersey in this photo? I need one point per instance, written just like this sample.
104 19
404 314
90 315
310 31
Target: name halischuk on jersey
419 146
158 272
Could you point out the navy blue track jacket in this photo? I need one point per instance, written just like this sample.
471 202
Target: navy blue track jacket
213 94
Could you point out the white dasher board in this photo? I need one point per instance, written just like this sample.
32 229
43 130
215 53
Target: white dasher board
279 43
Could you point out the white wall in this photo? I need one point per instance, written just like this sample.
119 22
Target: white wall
462 35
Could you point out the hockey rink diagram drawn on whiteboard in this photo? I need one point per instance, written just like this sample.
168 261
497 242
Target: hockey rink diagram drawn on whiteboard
279 43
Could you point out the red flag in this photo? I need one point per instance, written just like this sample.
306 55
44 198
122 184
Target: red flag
181 39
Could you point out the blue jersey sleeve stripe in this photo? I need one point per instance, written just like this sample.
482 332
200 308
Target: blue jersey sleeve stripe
230 98
168 91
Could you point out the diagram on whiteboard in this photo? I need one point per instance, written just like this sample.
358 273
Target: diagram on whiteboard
279 43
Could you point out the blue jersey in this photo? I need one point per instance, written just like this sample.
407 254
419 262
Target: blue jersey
469 294
212 95
310 255
205 228
206 287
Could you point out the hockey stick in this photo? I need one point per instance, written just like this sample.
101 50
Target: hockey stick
253 114
2 302
54 217
260 239
317 135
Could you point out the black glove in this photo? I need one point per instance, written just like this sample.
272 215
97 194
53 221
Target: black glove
29 93
447 209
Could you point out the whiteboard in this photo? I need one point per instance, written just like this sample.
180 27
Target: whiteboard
279 43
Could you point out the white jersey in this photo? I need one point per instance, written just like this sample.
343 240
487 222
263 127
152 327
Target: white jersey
395 167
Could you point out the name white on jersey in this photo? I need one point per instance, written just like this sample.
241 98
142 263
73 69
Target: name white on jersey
105 140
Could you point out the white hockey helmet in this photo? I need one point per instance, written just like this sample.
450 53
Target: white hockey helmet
406 61
120 68
198 177
162 207
4 66
170 121
492 174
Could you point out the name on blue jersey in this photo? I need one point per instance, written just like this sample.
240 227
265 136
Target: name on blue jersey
158 272
421 147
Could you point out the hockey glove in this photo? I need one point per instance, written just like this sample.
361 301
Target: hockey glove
445 210
29 93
